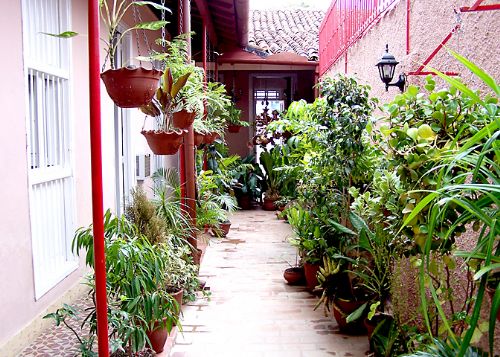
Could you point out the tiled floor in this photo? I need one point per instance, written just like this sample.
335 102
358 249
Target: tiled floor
252 311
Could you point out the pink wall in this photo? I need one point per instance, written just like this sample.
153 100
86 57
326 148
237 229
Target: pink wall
20 315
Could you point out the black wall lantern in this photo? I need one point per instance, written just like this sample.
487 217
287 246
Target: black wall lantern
386 67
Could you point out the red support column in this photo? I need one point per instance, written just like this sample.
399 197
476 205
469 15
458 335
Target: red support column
188 148
96 168
204 54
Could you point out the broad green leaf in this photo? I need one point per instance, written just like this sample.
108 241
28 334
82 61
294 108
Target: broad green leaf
153 4
340 227
150 25
356 314
66 34
179 84
495 305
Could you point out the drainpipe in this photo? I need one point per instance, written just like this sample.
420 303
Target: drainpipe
188 148
96 169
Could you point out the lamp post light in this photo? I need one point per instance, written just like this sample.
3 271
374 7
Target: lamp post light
386 67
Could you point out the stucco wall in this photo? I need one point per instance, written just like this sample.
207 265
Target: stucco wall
430 22
20 315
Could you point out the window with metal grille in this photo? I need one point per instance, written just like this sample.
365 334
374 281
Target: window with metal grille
47 83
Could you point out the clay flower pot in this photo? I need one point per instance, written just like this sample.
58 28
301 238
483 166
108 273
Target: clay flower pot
158 336
294 275
183 119
233 128
198 138
311 270
223 229
131 87
163 143
269 204
210 138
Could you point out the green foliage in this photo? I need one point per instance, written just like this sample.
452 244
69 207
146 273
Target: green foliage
112 18
135 272
142 212
168 205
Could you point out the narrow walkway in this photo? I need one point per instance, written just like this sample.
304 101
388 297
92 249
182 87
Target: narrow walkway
252 311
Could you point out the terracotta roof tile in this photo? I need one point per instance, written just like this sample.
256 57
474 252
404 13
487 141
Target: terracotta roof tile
295 30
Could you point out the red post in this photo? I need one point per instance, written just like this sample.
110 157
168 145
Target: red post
188 148
96 169
408 26
204 54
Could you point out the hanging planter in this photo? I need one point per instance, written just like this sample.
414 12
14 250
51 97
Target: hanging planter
164 143
131 87
198 138
183 119
128 87
210 137
233 128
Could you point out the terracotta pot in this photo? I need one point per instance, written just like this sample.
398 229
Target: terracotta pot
342 309
233 128
223 229
183 119
210 138
131 88
245 202
268 204
178 297
310 271
158 336
197 253
198 138
294 275
163 143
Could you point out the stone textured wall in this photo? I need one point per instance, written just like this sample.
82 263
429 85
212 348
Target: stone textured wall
430 22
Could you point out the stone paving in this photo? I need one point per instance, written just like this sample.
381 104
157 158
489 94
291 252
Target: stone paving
252 311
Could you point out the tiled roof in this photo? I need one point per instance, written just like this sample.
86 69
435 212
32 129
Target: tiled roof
294 30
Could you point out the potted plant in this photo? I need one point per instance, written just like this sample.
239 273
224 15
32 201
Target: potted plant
128 87
140 311
269 160
165 139
309 241
234 123
246 182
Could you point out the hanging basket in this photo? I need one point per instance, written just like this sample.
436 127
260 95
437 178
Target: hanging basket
131 88
210 137
164 143
183 119
198 138
233 128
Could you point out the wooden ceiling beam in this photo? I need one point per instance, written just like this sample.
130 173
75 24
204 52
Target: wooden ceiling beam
207 18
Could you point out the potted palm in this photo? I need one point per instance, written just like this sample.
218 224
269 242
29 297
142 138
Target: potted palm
272 178
165 139
128 87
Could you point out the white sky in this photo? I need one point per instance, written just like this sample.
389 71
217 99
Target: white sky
273 4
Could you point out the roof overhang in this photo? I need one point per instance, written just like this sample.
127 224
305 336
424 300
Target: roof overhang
240 56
